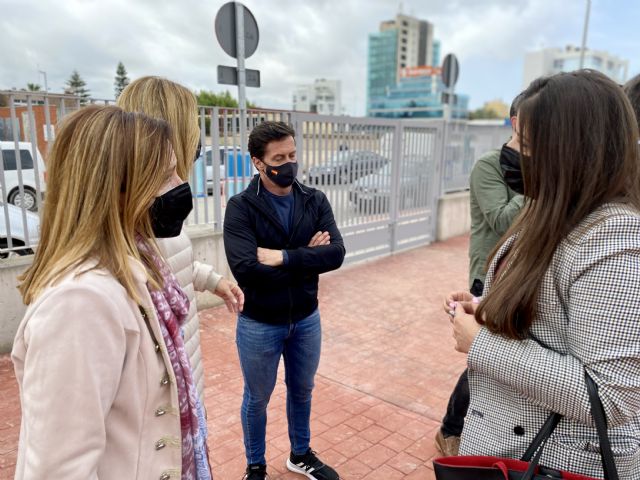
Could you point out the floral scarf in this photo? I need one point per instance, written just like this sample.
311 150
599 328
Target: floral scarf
172 308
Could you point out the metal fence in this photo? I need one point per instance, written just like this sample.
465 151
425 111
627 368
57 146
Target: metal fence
383 177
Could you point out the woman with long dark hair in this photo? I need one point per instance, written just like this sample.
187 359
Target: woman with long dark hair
563 289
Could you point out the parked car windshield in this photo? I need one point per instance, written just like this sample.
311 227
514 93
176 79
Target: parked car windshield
10 163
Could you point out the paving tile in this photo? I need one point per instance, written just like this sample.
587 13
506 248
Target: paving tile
376 456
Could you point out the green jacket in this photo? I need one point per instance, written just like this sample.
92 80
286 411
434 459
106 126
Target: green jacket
494 206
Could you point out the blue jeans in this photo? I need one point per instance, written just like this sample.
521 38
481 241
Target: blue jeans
260 346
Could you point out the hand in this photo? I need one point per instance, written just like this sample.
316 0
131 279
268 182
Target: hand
320 239
231 294
271 258
459 297
465 326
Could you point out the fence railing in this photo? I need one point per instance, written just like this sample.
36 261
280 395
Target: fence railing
383 177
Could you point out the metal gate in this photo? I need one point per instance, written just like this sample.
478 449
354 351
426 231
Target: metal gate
380 176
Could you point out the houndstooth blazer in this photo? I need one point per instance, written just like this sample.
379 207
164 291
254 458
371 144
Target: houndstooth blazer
588 315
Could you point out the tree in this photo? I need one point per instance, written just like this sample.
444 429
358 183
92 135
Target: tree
211 99
121 81
76 86
483 114
33 87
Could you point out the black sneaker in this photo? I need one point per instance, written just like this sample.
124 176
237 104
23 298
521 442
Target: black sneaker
311 466
256 472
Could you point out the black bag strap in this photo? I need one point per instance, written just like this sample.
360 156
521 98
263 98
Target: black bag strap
542 436
599 417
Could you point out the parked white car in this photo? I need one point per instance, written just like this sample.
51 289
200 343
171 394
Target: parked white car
29 198
18 232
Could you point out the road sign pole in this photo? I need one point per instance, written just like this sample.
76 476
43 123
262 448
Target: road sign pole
242 79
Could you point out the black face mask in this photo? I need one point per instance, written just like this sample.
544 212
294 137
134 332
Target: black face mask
284 175
512 169
170 210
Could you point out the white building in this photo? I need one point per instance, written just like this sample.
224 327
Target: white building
555 60
323 97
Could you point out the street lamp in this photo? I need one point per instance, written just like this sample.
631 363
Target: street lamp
584 34
46 87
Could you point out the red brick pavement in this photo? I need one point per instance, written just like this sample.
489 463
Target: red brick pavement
388 366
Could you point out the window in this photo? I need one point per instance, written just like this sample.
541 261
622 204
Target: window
597 62
610 65
402 65
404 40
405 23
403 57
6 132
9 157
405 32
558 64
404 49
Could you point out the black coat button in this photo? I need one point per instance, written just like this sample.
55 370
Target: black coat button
518 430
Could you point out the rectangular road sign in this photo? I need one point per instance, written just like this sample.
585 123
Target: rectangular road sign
229 76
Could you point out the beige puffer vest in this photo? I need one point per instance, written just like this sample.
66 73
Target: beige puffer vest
192 276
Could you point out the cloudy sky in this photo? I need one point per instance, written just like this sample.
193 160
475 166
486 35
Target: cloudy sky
300 40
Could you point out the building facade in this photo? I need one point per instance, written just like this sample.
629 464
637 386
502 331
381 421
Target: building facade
323 97
417 96
403 74
555 60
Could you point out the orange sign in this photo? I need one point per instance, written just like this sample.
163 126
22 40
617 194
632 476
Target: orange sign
423 71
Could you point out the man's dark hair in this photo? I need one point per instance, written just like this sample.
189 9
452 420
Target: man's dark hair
513 111
632 89
265 133
533 87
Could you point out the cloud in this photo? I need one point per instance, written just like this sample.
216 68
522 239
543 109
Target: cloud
299 41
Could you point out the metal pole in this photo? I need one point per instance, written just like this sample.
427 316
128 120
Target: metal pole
46 86
584 34
242 79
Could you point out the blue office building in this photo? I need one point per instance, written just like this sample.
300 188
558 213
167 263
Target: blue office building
383 48
417 97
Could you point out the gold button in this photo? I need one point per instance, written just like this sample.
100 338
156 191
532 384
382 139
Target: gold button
160 444
157 347
165 380
165 476
160 412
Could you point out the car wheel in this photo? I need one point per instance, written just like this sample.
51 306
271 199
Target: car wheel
27 200
16 243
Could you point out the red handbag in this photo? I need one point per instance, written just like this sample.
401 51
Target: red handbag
528 468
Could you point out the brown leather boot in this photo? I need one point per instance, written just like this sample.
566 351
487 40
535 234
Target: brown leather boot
448 446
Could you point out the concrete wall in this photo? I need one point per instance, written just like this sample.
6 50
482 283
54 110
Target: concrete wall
207 248
454 215
453 220
11 306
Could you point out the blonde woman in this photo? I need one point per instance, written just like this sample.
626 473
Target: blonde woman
105 386
175 104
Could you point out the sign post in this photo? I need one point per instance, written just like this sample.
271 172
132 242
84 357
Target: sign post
237 32
450 72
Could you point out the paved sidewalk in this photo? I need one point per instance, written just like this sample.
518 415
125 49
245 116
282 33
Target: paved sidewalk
387 368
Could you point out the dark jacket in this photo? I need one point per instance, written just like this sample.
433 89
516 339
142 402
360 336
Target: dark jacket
288 293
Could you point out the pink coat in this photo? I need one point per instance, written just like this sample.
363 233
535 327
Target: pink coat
97 389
